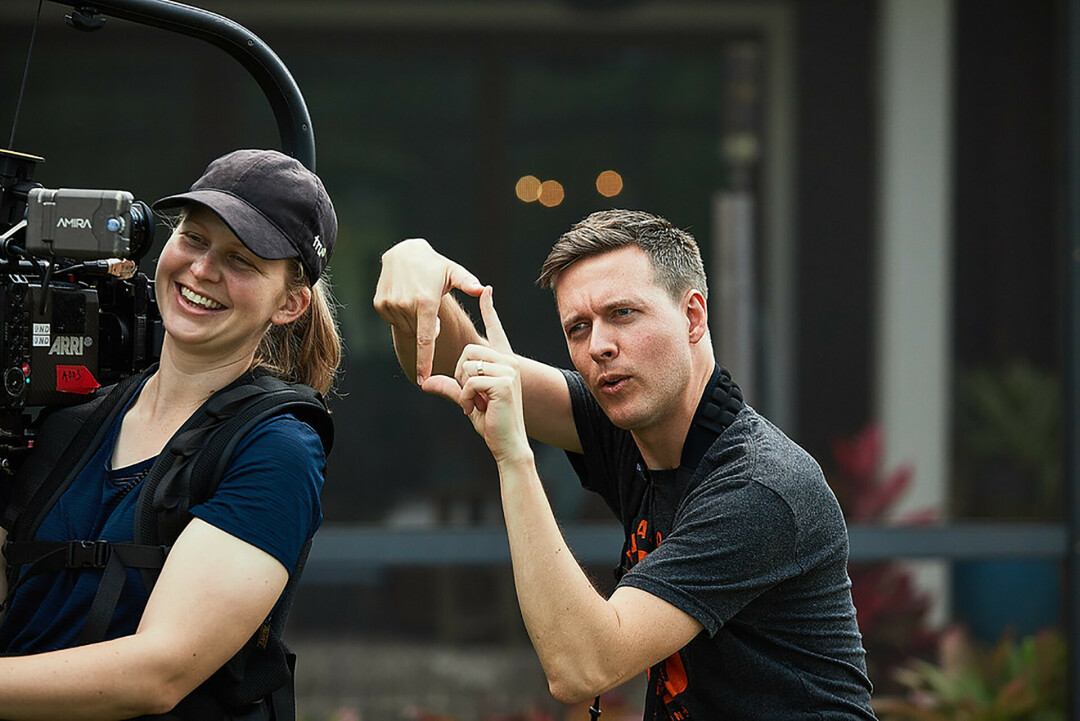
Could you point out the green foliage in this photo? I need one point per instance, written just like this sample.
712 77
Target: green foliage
1010 681
1009 440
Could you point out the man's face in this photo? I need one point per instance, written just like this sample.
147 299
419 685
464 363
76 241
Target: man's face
626 336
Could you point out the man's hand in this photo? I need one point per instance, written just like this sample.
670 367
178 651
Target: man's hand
487 386
413 296
410 292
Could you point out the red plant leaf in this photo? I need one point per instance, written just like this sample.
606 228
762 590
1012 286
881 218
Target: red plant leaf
860 457
872 506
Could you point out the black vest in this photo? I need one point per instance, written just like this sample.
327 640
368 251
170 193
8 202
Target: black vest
257 682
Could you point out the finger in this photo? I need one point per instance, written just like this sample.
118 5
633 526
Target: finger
443 386
492 325
469 367
461 372
480 367
474 395
427 330
474 358
464 281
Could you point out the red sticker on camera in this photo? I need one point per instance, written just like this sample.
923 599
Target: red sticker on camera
75 379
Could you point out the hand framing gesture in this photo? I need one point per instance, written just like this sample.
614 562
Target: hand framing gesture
487 386
410 292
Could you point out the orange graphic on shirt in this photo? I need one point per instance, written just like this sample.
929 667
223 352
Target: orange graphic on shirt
672 679
671 682
634 553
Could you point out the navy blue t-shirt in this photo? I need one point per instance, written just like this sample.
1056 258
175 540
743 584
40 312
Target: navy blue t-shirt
269 497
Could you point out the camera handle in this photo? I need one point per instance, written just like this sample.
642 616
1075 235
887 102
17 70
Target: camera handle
277 83
7 248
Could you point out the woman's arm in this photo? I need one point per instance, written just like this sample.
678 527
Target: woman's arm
213 593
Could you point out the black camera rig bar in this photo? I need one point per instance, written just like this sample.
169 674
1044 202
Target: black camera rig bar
290 110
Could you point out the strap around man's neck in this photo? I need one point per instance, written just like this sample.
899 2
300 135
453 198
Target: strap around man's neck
720 403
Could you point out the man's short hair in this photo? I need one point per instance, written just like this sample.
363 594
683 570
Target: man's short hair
675 257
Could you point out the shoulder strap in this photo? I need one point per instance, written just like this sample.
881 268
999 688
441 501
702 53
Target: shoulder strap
193 463
70 436
62 447
720 403
200 450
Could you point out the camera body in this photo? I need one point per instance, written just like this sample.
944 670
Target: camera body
80 224
75 314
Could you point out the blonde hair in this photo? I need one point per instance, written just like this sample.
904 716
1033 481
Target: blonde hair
307 350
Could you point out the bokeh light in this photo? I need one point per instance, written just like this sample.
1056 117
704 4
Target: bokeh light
609 183
551 193
528 188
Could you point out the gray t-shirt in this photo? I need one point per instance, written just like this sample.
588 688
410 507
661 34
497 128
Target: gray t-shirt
753 545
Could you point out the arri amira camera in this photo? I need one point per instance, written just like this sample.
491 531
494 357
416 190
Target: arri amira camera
74 312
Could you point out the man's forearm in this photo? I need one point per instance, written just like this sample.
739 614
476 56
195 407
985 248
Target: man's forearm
571 625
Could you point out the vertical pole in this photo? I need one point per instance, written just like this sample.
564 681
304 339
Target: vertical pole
914 270
1071 345
914 275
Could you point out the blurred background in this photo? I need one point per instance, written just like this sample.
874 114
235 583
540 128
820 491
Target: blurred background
879 190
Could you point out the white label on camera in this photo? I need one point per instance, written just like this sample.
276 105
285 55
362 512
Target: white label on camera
41 341
41 329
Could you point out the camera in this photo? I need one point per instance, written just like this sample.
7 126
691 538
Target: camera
75 313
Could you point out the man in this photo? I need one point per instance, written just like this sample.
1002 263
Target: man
734 592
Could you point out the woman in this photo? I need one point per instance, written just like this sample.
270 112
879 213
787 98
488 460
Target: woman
238 288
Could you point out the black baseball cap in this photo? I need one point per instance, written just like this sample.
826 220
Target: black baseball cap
275 206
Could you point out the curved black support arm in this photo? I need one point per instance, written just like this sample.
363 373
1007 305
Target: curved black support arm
290 110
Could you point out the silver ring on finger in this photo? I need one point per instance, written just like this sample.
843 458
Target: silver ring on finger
479 367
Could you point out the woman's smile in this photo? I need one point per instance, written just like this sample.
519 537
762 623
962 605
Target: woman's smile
197 300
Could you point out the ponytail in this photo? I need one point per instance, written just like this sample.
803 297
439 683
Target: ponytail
308 350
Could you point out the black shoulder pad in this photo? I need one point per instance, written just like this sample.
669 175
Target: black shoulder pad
193 462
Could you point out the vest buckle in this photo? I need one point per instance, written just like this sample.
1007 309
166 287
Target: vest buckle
88 554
